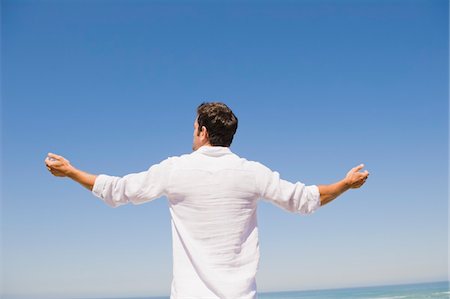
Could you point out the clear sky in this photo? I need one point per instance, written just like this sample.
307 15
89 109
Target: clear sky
318 87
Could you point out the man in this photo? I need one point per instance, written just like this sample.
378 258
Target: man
213 196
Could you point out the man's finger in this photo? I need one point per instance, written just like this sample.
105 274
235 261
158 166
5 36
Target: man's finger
55 156
358 168
360 183
53 164
362 175
56 173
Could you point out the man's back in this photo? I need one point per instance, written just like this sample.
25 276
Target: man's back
212 197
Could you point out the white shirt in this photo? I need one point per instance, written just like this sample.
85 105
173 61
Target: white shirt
212 196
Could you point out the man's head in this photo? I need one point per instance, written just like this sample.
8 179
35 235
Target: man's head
215 125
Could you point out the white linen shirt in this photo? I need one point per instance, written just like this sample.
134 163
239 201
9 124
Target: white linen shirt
212 196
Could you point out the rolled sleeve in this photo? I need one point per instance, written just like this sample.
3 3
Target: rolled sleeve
99 185
112 190
133 188
293 197
312 199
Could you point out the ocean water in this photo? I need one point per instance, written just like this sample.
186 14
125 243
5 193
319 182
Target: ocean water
437 290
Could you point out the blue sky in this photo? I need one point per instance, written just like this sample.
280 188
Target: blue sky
318 87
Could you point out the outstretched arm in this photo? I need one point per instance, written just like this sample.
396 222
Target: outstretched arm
61 167
115 191
354 179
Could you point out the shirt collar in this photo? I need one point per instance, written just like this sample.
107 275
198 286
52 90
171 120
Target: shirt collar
214 151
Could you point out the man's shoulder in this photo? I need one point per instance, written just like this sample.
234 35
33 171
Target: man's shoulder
258 166
234 158
252 164
178 159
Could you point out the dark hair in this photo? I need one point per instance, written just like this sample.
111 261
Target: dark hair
219 121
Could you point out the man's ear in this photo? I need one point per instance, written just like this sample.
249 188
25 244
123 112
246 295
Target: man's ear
205 132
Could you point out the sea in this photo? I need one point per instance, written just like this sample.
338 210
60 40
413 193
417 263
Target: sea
435 290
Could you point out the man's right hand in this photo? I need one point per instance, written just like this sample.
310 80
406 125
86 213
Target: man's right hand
58 165
61 167
355 178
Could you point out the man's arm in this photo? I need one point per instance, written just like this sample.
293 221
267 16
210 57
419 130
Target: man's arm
61 167
115 191
354 179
